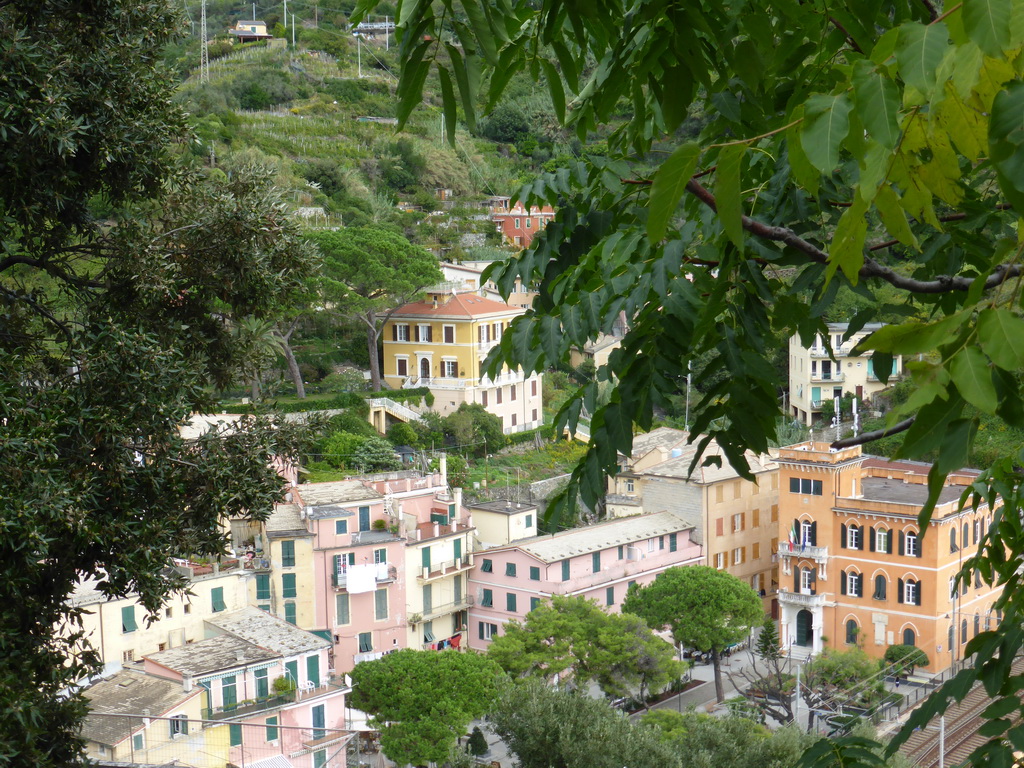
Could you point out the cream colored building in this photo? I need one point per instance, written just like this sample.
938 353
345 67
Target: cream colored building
118 629
735 520
817 375
442 342
501 522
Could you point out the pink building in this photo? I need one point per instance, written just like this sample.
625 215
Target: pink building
357 566
389 560
599 562
238 667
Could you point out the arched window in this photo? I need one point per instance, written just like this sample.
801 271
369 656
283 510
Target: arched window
909 638
964 536
950 637
851 632
952 540
880 587
963 631
977 624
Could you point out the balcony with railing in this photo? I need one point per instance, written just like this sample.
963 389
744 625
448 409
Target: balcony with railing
802 600
819 554
445 568
833 376
242 709
431 612
385 573
436 530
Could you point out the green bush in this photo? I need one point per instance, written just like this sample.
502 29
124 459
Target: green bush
343 400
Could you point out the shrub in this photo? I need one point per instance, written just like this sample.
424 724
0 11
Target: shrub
375 454
477 743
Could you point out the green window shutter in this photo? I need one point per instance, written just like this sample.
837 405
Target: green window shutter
341 604
320 758
534 602
364 518
380 604
673 542
313 669
425 557
289 613
217 598
487 566
488 600
340 527
235 733
596 561
263 586
458 549
565 570
287 554
291 671
272 728
365 642
534 573
335 569
128 619
228 692
529 521
510 569
288 585
622 551
510 602
262 684
609 596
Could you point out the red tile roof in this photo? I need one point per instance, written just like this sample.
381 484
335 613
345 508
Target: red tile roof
462 304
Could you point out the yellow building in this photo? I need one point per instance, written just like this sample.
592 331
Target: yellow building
815 377
442 342
286 588
858 570
735 520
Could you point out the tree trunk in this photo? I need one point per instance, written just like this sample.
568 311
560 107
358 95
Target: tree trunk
372 334
254 387
293 366
719 687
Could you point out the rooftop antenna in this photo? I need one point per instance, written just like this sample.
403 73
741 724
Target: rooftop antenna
204 53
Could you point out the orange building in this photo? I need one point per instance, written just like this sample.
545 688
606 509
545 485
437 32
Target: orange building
517 224
857 570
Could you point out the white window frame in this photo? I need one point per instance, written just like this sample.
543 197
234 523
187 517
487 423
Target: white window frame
851 584
444 332
449 368
423 333
910 592
178 725
853 536
490 630
805 531
882 541
401 331
650 545
806 581
398 359
910 545
630 485
719 560
737 556
517 222
737 522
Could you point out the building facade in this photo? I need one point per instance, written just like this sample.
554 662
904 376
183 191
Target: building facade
818 375
599 562
858 570
735 520
518 225
441 343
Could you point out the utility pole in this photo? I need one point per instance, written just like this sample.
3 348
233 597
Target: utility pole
942 741
796 700
204 53
286 22
387 35
359 54
293 30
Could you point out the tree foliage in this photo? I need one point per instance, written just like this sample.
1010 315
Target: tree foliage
873 144
768 682
836 679
368 273
113 334
705 609
902 659
422 702
548 728
727 742
571 638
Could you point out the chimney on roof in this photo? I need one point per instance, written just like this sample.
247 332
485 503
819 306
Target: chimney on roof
186 683
435 302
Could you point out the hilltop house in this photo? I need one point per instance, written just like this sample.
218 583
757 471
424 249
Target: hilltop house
442 342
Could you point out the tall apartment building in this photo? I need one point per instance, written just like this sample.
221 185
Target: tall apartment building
441 343
858 570
599 562
817 376
735 520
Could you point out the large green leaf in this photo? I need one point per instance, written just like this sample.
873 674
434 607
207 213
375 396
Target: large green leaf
847 249
668 187
826 123
878 102
1006 141
727 192
973 377
918 52
1001 334
912 338
988 24
893 217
